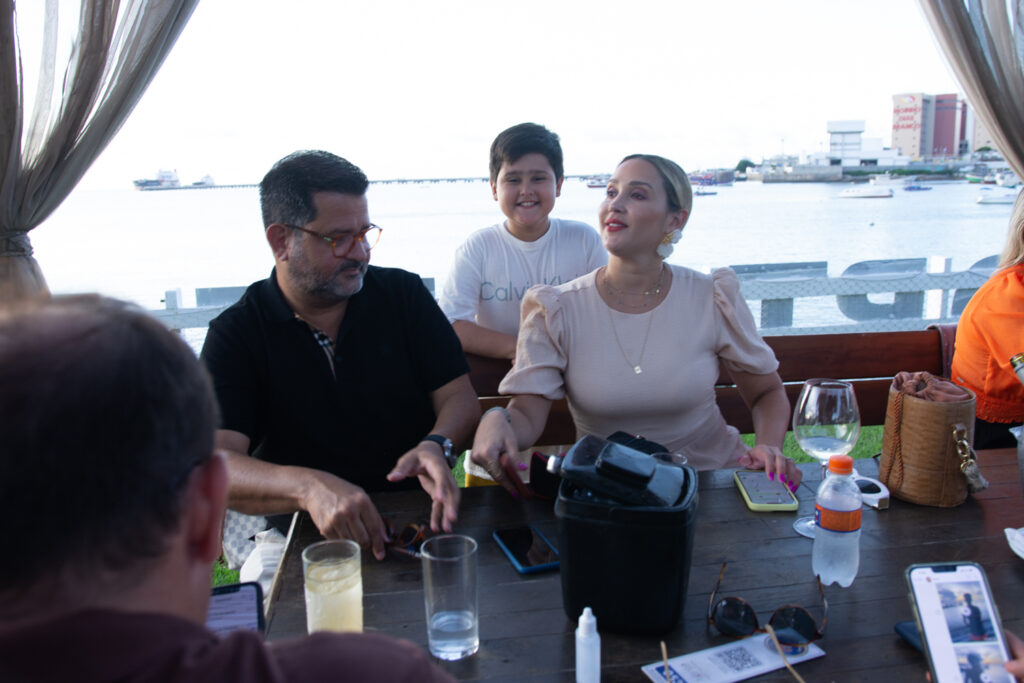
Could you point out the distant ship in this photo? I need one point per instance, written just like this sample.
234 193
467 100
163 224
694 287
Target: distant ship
168 180
870 192
165 180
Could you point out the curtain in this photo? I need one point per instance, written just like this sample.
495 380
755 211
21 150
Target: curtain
85 92
984 46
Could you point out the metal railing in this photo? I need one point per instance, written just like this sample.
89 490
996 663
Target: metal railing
775 292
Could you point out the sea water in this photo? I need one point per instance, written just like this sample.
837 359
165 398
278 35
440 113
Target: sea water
453 635
137 245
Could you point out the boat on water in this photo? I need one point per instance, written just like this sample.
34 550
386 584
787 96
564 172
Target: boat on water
996 197
869 192
1007 178
165 180
704 191
205 181
916 188
598 181
882 179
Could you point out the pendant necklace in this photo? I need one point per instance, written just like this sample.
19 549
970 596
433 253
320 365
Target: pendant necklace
636 367
617 293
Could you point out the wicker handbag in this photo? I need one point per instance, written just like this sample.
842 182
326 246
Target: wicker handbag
926 454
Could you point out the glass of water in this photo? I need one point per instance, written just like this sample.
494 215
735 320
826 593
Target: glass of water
826 422
449 591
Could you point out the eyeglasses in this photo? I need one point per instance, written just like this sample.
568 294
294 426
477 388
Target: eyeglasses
342 244
406 542
793 624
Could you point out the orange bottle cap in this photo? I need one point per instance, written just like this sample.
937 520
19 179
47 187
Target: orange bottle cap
840 464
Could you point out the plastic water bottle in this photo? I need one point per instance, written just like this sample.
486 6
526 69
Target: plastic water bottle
836 554
588 649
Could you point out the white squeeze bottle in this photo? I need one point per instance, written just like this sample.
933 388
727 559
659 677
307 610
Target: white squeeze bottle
836 554
588 649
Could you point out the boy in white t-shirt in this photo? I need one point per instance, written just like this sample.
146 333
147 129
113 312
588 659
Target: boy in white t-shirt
495 266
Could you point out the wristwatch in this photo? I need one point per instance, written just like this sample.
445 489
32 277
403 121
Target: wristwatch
446 447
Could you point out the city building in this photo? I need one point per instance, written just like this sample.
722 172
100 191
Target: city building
848 148
948 131
913 124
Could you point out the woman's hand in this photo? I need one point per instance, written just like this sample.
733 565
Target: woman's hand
495 448
774 463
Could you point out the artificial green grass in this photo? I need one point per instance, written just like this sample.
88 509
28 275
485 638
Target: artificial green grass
223 575
868 445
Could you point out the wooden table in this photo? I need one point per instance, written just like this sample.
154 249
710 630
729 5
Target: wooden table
525 634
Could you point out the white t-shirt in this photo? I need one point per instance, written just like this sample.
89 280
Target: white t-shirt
492 270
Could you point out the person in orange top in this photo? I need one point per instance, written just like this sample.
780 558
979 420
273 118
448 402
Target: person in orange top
990 331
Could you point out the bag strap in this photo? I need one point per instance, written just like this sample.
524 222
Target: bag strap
947 340
968 460
897 445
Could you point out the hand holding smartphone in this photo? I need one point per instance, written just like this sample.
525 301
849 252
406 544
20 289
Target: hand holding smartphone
762 494
959 624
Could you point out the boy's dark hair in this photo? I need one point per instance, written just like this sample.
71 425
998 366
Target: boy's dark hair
104 414
286 192
512 144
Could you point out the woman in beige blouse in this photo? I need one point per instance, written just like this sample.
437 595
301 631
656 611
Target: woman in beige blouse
636 345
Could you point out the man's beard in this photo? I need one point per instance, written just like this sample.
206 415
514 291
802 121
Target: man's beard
330 289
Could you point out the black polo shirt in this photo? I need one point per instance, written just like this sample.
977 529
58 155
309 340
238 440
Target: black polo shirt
274 382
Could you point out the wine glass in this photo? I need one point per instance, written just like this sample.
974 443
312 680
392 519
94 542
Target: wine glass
826 422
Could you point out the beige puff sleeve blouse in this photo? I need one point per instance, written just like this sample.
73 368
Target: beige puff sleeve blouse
572 344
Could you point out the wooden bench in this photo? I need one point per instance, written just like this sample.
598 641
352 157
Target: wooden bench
868 359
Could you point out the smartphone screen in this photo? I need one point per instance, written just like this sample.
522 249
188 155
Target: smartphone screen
764 493
959 621
235 606
527 548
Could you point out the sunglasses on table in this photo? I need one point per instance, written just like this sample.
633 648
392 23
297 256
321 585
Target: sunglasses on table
406 543
793 625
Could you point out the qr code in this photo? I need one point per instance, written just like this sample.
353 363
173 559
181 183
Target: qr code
737 659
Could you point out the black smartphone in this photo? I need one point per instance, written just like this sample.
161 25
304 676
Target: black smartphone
960 628
235 606
528 549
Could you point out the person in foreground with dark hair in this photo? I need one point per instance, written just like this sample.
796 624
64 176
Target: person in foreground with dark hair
108 471
336 378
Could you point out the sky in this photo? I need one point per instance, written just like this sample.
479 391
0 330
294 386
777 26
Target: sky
420 89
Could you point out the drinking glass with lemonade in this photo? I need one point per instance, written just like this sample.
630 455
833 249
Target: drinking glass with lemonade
334 586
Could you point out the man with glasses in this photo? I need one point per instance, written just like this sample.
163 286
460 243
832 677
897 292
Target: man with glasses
335 377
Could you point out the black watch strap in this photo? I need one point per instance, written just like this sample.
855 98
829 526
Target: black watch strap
446 447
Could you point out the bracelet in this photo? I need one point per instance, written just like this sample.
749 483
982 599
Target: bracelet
508 418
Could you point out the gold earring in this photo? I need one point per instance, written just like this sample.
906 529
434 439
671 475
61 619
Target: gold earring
667 239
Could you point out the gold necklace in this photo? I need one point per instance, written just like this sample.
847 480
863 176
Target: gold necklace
636 366
617 293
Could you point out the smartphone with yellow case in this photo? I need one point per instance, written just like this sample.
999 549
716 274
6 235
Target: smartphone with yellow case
761 494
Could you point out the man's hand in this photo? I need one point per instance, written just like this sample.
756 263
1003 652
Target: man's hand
426 462
774 463
343 510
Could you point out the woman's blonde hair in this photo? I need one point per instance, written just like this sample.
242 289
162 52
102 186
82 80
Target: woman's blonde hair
677 183
1013 252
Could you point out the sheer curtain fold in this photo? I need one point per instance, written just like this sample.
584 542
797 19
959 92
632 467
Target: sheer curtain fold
117 50
984 45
